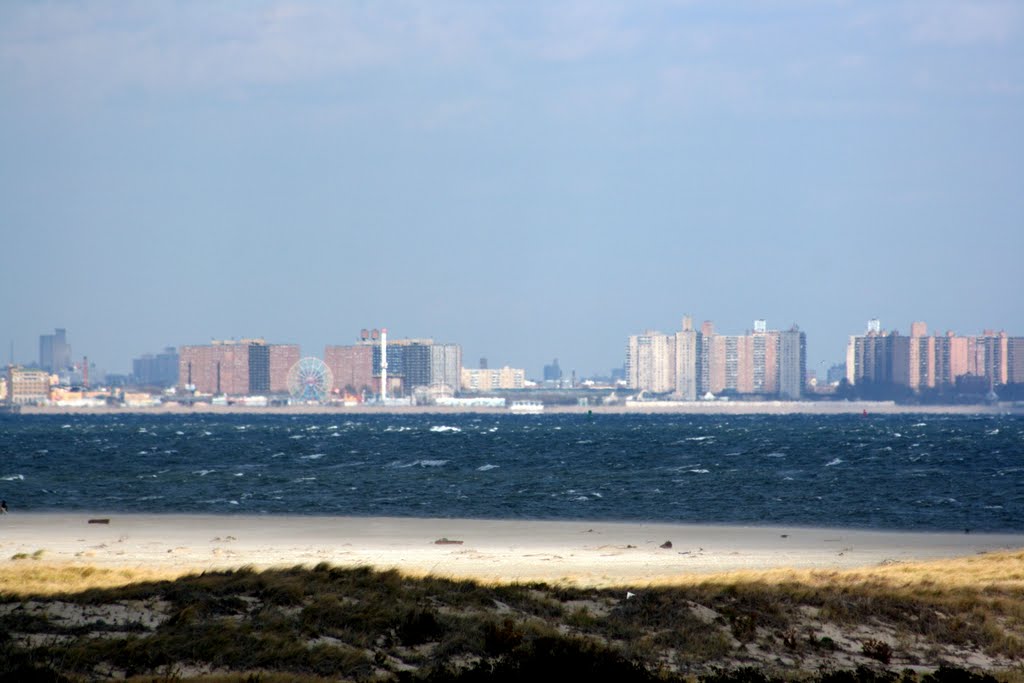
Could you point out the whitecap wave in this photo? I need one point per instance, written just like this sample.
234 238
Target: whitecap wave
445 428
313 456
398 464
484 468
13 477
834 461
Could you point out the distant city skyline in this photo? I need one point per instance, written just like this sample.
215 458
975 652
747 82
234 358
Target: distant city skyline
873 326
531 180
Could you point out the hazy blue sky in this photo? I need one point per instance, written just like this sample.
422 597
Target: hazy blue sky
530 179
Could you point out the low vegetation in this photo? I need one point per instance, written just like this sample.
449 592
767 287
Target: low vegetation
934 623
26 556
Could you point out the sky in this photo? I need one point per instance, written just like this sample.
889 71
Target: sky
532 180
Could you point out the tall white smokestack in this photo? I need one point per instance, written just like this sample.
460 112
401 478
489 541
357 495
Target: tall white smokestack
384 364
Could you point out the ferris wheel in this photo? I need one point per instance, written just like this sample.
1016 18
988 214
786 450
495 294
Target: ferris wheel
310 380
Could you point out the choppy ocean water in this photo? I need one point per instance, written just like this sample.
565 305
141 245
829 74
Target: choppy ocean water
886 472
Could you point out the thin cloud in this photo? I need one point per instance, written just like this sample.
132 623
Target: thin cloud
581 30
109 45
964 23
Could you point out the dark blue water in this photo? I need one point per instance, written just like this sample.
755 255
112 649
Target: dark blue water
893 472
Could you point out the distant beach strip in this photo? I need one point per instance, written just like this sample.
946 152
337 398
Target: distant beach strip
631 407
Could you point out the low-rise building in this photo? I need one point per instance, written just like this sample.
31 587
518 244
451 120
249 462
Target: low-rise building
492 379
27 386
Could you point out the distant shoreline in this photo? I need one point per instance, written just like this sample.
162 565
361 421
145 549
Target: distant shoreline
653 408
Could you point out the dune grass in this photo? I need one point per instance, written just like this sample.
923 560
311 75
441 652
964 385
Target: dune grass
44 578
305 623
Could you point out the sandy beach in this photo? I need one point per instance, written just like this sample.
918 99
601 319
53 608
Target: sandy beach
586 553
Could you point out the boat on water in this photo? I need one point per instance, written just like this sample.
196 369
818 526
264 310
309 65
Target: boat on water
527 407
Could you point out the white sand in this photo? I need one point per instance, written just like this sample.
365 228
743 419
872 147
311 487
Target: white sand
597 553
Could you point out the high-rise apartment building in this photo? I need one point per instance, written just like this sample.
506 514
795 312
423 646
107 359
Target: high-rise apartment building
744 364
352 369
54 351
987 356
707 333
552 372
869 357
281 359
920 361
950 358
651 362
723 360
446 367
237 368
691 364
687 366
160 370
1015 360
792 363
921 357
412 363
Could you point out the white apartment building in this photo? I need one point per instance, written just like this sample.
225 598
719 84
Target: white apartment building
484 379
651 362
